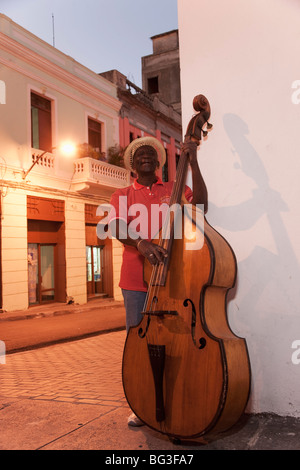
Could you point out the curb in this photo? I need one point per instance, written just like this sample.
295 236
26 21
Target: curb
6 316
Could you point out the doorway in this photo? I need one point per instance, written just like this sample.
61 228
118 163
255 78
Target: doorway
46 250
41 273
99 266
94 270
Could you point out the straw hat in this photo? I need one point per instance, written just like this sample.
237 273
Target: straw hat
137 143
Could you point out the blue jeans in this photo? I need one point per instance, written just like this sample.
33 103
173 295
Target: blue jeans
134 305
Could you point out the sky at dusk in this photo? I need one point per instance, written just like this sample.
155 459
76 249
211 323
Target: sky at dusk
100 34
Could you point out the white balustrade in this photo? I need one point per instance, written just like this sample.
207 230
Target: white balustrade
90 170
46 161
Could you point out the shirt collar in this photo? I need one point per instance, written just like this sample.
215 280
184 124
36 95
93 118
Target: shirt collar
137 185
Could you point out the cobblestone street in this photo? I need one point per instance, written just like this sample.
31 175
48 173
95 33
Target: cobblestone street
86 371
69 396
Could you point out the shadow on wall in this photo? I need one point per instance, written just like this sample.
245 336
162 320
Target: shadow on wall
267 313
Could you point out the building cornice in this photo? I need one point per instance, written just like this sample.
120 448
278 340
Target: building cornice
50 191
21 52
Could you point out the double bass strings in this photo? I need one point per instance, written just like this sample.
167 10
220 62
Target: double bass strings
164 241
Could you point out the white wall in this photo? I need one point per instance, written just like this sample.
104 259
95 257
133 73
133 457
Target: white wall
244 56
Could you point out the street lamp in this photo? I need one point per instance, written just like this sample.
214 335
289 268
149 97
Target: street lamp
68 148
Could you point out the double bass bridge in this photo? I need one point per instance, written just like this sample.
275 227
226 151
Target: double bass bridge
160 313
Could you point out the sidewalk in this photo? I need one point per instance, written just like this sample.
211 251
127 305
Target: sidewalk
69 395
56 322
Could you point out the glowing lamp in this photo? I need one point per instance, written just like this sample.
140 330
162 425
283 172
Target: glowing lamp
68 149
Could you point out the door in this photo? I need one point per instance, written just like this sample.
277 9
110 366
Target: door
94 270
41 273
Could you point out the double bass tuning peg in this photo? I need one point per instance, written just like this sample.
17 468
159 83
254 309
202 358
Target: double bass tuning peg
208 126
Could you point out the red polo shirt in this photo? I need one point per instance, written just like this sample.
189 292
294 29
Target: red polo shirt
134 204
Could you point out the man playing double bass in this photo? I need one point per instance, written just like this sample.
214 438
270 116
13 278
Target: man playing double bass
144 156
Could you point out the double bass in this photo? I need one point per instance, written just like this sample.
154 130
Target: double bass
185 373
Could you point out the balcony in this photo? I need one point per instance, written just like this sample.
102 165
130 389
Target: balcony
47 161
90 174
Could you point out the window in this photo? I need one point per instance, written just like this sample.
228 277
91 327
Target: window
165 171
153 85
94 134
41 132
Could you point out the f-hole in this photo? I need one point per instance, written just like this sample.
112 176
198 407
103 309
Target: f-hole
202 341
142 333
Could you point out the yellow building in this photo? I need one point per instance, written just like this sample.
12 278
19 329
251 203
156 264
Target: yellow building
50 251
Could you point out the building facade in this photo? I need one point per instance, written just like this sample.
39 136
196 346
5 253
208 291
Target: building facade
52 205
161 69
142 114
50 251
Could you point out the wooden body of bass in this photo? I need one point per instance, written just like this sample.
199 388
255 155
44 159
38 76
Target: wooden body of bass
185 373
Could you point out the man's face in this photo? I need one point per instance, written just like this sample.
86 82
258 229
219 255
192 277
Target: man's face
145 160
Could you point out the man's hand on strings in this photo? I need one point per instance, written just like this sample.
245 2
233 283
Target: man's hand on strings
154 253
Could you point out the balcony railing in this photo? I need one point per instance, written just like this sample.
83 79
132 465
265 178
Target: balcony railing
89 171
47 160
